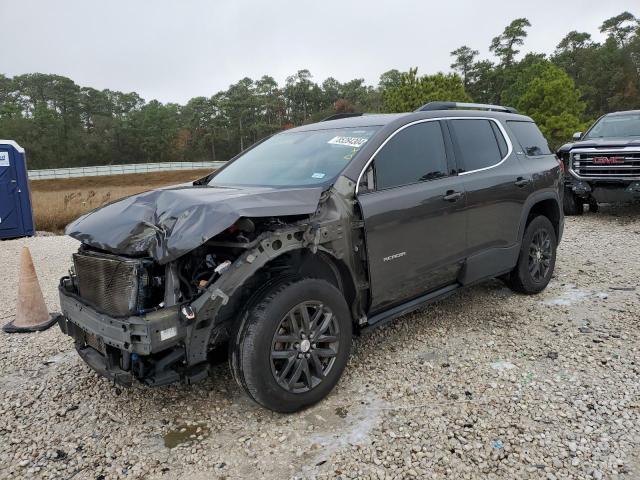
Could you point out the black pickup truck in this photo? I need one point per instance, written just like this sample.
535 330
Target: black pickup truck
604 163
312 234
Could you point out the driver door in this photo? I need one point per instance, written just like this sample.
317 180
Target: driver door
414 215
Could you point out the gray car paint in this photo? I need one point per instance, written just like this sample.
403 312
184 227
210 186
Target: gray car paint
171 222
167 223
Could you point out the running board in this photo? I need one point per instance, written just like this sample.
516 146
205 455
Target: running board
388 315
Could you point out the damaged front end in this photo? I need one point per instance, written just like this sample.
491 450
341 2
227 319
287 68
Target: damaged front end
155 299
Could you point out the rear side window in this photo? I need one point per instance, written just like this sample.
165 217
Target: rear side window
413 155
476 144
530 138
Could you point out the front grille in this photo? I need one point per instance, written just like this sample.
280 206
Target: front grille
608 164
113 285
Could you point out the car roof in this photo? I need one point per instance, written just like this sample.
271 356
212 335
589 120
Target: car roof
381 119
364 120
626 112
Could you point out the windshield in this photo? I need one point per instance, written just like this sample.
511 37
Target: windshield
296 158
616 126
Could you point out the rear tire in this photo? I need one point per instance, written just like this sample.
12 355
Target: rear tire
292 344
572 204
537 257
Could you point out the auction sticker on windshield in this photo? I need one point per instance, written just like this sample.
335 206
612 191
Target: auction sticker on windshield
355 142
4 159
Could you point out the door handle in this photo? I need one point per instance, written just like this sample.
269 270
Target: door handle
452 196
522 182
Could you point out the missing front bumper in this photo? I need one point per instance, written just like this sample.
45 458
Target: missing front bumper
131 347
142 335
99 363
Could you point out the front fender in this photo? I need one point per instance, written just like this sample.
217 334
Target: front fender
271 246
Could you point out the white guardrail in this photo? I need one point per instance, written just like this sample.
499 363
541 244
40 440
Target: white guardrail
49 173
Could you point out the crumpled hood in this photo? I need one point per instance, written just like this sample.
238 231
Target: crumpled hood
602 143
167 223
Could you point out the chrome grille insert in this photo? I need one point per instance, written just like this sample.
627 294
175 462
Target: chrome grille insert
623 164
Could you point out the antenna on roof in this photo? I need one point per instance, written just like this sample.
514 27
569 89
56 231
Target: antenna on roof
427 107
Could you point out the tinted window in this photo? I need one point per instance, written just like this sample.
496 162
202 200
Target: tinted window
530 138
477 146
414 154
502 143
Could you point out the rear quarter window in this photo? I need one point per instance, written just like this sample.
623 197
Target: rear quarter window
476 144
530 138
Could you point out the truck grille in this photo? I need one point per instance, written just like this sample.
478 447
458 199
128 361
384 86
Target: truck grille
621 164
113 285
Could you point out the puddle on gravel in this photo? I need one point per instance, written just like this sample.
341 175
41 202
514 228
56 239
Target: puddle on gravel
183 434
433 356
40 369
573 295
343 425
338 427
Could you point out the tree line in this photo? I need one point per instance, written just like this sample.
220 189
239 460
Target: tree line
63 124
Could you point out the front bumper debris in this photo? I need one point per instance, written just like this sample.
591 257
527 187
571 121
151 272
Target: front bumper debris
143 335
580 188
149 348
101 365
634 188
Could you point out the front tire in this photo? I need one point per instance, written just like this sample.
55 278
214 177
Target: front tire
537 257
292 344
572 204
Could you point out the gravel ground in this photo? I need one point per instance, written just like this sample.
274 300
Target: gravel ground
485 384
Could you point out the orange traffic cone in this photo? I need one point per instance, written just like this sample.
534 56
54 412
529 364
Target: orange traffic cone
31 311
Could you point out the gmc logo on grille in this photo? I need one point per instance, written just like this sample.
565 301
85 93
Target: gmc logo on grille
608 160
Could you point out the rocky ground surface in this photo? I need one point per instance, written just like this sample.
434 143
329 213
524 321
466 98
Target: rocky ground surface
485 384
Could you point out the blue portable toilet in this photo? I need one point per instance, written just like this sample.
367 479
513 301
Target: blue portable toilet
16 215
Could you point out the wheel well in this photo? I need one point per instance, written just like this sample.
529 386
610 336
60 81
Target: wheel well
297 263
325 266
548 208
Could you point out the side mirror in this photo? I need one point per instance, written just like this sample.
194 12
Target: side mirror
577 135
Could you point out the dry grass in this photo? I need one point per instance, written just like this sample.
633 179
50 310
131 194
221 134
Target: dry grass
58 202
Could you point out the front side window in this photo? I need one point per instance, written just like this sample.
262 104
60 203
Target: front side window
627 125
530 138
296 158
476 144
415 154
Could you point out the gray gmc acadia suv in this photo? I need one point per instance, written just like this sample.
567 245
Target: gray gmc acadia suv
310 235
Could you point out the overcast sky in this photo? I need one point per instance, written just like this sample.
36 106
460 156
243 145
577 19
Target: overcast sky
175 50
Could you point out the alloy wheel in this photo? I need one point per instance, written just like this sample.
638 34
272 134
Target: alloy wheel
540 253
304 347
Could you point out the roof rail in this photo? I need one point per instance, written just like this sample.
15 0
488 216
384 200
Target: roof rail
427 107
338 116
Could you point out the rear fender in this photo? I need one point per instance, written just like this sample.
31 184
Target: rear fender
535 199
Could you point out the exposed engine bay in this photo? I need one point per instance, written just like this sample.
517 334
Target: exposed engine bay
169 315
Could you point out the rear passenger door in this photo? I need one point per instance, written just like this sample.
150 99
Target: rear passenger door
413 209
496 183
